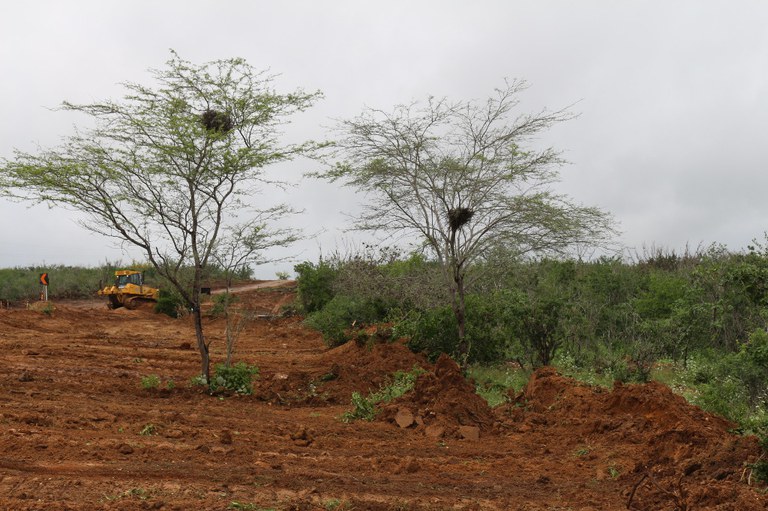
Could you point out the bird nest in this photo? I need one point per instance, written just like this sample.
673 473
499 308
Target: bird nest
214 120
458 217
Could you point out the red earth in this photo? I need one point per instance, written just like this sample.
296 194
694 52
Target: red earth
79 432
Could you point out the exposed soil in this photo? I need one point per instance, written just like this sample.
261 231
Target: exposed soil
78 431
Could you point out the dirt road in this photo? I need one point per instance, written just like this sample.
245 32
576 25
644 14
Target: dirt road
78 431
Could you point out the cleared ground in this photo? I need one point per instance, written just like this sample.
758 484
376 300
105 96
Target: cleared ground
78 432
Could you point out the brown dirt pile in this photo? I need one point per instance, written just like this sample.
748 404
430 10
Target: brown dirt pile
677 454
443 403
355 367
331 377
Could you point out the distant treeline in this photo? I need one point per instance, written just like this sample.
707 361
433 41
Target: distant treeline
75 282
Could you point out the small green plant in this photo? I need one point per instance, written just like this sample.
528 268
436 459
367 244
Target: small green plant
236 378
151 381
365 407
336 505
494 383
148 430
137 493
330 376
613 472
582 451
170 385
198 381
282 275
362 408
242 506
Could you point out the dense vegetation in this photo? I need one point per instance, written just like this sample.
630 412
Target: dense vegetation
696 319
71 282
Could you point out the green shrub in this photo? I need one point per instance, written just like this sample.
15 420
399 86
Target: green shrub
168 303
236 378
221 303
760 467
433 331
339 315
752 361
734 385
490 322
314 285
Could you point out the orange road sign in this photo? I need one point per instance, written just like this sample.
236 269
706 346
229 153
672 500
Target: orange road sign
44 279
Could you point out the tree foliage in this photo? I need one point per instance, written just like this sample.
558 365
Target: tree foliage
170 169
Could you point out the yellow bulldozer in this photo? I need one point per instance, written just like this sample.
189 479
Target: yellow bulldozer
129 291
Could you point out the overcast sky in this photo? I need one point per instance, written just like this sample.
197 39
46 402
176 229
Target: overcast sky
673 96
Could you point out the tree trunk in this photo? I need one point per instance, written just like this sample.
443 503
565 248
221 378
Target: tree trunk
459 310
201 346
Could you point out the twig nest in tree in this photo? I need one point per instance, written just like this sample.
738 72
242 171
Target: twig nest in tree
458 217
214 120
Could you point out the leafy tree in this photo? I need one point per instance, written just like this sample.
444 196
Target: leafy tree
457 175
169 169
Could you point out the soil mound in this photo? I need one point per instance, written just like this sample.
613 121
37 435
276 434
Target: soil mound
331 377
443 403
364 368
676 453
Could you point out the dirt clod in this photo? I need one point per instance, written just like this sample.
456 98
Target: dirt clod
471 433
404 418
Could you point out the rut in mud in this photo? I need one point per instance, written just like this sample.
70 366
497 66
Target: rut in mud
80 433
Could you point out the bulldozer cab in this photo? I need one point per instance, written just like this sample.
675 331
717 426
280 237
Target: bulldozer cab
124 278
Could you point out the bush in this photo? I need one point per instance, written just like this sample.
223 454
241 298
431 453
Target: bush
221 303
168 303
432 331
236 378
337 318
490 322
735 385
314 285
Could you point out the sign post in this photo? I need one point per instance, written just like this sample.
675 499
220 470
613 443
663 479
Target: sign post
44 282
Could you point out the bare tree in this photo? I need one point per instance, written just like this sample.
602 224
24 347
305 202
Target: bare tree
170 167
457 176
